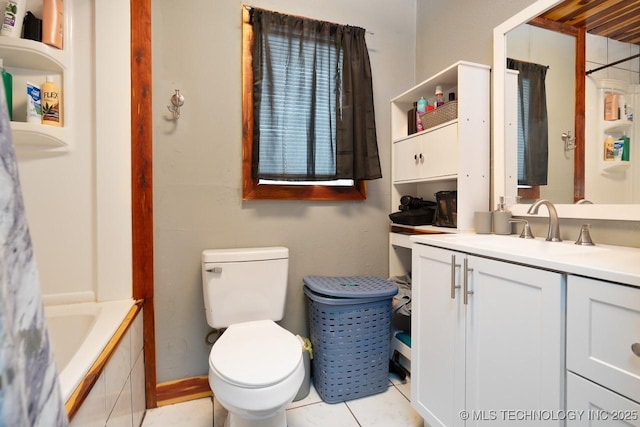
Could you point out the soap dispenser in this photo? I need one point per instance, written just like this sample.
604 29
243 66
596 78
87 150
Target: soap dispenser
501 217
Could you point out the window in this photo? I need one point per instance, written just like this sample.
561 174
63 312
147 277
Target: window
297 123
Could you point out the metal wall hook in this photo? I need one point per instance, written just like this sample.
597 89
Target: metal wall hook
569 141
177 101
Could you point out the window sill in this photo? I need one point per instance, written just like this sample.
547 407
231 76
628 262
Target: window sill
251 190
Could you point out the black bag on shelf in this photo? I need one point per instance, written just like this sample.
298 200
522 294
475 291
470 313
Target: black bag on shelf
414 211
32 27
446 209
420 216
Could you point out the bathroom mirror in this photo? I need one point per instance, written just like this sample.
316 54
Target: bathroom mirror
504 167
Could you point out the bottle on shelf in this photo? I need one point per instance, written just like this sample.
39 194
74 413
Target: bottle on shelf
611 107
626 147
439 97
422 105
7 81
608 148
51 103
411 119
34 103
13 17
52 23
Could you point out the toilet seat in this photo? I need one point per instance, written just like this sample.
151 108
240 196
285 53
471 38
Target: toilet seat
255 354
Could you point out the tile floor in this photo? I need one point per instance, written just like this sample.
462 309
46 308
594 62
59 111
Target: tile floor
391 408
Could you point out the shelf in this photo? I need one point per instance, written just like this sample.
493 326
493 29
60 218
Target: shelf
23 53
617 126
35 136
449 156
422 132
616 166
401 347
399 235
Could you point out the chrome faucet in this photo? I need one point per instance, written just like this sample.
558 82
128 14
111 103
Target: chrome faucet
553 235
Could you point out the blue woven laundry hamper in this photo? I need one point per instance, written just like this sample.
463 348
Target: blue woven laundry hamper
349 325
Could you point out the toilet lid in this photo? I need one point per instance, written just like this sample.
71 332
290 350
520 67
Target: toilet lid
256 354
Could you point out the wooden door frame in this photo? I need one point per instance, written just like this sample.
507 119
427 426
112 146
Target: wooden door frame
142 184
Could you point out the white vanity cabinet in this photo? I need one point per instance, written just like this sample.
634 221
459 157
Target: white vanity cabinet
603 350
488 339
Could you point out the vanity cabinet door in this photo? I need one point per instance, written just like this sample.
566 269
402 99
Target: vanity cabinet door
437 329
514 342
603 334
590 404
499 349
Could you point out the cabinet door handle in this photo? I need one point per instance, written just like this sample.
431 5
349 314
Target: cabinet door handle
415 157
465 282
635 348
421 156
453 276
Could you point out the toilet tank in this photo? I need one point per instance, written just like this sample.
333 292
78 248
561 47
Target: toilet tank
242 285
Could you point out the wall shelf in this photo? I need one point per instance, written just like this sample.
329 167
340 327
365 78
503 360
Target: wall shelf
617 126
615 166
23 53
34 58
35 136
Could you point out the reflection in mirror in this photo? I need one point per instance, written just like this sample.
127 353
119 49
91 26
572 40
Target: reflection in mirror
601 182
556 51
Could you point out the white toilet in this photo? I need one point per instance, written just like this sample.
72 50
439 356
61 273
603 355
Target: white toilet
256 366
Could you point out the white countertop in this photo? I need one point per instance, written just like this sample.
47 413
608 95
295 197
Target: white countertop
613 263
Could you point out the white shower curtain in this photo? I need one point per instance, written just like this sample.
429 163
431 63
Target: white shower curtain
29 389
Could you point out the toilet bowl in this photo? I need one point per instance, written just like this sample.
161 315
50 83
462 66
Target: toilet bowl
255 370
256 367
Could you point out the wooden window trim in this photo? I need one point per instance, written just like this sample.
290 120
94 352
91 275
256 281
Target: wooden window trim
530 193
251 189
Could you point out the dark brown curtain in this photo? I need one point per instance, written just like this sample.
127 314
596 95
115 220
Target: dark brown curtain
356 140
313 100
533 126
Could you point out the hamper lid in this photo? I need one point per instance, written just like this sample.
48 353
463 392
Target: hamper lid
351 286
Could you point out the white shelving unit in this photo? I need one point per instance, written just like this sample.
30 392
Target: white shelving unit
453 155
610 181
30 60
615 128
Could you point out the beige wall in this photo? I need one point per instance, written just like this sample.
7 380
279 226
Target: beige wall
197 176
197 166
448 31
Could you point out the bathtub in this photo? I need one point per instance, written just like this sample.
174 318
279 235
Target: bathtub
79 333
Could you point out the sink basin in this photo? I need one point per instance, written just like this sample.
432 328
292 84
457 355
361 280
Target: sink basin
516 245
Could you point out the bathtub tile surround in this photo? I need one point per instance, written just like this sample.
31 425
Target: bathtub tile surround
118 397
29 392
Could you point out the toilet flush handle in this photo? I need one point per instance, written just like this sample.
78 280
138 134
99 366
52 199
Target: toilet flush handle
216 270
